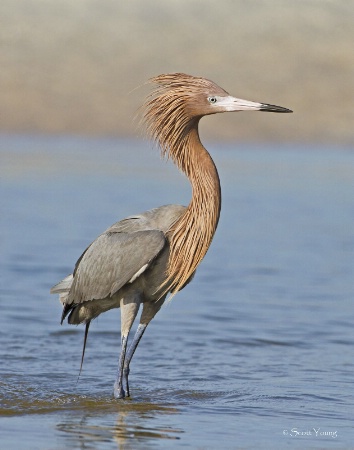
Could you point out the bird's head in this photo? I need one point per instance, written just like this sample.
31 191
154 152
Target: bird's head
179 101
196 97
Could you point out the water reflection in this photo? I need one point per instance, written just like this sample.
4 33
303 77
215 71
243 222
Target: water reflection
135 424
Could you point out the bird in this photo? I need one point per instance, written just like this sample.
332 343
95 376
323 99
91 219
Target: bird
140 260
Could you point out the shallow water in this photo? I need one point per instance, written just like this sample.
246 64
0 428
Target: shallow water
257 352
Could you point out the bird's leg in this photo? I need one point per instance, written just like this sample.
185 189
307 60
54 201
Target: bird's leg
118 386
129 311
149 311
138 335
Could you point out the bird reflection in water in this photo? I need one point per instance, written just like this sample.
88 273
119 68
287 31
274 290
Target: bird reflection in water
135 424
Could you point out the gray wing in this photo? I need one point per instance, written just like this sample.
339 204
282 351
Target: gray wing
122 253
111 261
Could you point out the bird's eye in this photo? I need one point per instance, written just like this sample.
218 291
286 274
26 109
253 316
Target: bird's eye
212 99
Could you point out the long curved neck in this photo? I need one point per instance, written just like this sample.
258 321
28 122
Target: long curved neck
191 236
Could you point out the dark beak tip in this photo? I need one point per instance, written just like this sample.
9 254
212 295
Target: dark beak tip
273 108
286 110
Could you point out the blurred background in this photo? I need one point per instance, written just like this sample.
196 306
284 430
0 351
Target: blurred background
72 67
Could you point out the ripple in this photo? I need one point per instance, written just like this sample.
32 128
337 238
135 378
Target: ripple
18 399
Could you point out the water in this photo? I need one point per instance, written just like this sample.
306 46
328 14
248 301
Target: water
256 353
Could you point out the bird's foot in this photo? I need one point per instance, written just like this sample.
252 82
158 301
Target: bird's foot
118 391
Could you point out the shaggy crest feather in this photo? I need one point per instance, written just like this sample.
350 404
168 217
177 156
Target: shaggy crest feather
171 114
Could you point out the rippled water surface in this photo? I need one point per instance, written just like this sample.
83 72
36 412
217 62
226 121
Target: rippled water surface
256 353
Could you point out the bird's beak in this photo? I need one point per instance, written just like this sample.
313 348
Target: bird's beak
237 104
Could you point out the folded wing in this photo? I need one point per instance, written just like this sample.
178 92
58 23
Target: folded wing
111 261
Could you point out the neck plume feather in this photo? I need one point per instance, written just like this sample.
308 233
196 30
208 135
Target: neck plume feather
170 125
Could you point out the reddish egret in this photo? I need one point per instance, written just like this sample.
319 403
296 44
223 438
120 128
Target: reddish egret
142 258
